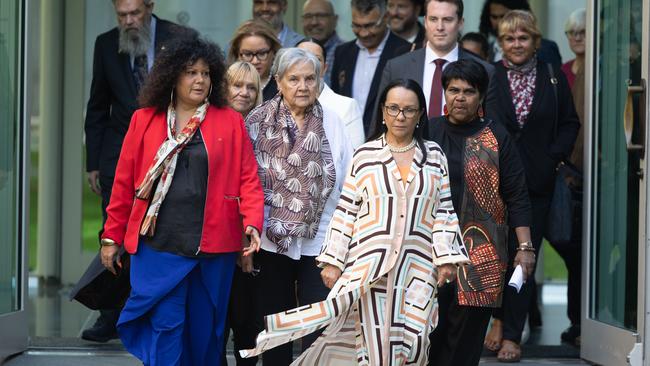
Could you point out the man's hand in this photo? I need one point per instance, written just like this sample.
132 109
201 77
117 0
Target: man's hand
93 182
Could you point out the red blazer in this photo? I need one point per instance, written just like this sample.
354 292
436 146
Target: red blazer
234 196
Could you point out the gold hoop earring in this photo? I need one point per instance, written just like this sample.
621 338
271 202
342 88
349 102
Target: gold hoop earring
171 98
207 99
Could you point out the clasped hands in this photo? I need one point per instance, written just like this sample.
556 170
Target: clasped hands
331 273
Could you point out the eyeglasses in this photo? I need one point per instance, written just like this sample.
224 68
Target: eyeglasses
576 33
367 27
394 110
316 16
248 56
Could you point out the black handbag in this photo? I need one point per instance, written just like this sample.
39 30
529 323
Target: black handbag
565 200
564 207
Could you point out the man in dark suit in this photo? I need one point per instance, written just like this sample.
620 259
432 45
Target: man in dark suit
403 21
121 61
358 64
443 21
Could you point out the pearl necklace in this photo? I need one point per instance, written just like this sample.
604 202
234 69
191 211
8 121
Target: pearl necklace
403 148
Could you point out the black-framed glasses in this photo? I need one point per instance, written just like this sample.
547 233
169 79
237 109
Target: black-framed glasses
394 110
248 55
367 27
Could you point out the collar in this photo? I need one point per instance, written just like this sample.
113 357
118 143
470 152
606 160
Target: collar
283 32
379 48
430 55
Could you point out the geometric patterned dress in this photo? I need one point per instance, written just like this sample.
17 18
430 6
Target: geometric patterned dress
387 237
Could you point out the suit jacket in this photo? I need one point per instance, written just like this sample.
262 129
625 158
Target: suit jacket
345 62
234 197
348 111
113 98
411 66
539 147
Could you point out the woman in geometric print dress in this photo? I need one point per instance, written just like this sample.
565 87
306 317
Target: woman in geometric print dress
393 239
489 192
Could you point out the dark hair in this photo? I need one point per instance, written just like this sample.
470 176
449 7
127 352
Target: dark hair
181 52
249 28
485 27
459 6
467 70
366 6
378 128
319 43
478 38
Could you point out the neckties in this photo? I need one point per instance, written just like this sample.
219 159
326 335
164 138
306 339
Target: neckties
435 97
140 71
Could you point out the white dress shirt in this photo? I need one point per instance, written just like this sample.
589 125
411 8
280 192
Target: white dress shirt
430 68
342 156
348 111
364 71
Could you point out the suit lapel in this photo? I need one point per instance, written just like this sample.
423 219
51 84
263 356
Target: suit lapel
125 64
349 71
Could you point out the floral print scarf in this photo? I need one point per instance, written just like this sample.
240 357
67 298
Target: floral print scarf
522 80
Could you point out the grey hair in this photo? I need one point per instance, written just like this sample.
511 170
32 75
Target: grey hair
577 20
366 6
288 57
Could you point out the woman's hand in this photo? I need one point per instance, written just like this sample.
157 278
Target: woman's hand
526 259
108 255
330 274
246 263
446 274
254 245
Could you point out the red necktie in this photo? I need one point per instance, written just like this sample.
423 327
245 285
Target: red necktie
435 97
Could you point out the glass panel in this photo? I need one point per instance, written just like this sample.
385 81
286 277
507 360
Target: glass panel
616 178
9 148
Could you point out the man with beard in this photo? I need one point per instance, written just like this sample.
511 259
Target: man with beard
358 64
272 11
403 20
319 23
122 58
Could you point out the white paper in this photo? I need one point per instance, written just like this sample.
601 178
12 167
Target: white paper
517 279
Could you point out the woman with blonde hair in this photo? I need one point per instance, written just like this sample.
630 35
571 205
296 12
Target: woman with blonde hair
243 87
533 101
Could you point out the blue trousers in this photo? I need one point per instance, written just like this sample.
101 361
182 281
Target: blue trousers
177 309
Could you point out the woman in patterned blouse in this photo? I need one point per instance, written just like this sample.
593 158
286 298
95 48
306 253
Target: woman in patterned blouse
393 238
488 189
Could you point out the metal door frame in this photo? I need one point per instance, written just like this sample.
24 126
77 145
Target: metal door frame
603 343
14 326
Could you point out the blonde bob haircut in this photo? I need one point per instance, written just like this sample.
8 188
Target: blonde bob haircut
519 20
244 71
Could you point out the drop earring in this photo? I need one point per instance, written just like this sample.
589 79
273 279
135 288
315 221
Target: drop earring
383 122
445 111
481 114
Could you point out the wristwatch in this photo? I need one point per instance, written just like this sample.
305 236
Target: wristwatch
526 246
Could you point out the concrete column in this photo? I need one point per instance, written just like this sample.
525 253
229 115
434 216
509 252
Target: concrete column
50 139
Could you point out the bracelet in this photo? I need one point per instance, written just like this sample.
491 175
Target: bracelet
527 245
106 242
526 250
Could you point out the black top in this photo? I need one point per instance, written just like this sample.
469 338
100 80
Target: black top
180 220
512 181
540 147
270 90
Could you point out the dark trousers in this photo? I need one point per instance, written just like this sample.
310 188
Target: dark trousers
515 305
241 316
458 337
283 284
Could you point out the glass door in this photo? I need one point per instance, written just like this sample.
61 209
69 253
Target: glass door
13 320
613 315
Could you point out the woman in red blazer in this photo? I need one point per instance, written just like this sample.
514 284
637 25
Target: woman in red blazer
186 187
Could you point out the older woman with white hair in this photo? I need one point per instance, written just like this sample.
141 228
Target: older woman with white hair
302 153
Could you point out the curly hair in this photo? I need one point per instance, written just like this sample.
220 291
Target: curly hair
485 27
252 27
180 53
